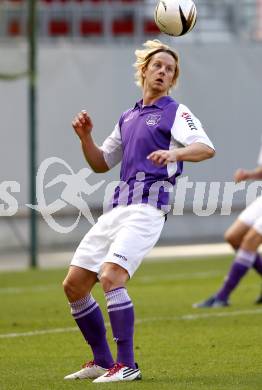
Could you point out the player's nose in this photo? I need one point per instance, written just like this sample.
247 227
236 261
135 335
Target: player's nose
162 71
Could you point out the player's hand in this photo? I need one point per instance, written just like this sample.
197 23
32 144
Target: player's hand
162 157
240 175
82 124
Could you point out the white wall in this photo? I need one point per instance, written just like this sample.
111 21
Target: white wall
220 83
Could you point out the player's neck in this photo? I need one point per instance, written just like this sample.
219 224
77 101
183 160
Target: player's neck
150 98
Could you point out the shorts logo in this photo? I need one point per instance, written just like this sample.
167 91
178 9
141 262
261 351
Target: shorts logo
189 120
152 119
120 256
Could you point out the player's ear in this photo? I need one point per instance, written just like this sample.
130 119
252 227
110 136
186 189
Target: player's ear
143 71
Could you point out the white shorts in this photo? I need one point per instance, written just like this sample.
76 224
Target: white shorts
122 236
252 215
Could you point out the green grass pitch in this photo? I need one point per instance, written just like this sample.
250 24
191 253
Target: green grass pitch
177 347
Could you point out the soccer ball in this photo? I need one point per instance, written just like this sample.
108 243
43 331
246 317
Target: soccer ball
175 17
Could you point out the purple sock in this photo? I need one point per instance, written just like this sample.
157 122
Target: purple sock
258 264
89 318
242 263
121 314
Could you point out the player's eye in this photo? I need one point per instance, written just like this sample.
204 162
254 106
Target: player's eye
157 65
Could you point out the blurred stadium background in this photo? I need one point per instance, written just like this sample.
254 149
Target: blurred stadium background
85 52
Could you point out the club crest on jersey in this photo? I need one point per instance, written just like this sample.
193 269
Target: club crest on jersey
152 119
189 120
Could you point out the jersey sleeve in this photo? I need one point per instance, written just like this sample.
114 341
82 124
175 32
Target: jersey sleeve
112 148
187 129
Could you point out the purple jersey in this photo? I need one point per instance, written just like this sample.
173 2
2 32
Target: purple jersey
140 131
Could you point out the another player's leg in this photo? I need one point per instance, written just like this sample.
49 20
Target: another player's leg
251 216
121 313
236 236
87 314
243 261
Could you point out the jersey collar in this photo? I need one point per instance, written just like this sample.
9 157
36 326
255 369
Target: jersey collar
160 103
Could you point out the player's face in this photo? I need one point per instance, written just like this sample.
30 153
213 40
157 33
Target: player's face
160 72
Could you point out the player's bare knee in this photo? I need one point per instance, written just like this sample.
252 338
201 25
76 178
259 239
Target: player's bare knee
66 287
251 240
107 281
71 289
113 276
232 239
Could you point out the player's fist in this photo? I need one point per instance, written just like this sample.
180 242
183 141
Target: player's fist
240 175
82 124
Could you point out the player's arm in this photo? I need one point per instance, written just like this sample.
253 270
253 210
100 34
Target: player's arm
188 132
83 126
244 174
195 152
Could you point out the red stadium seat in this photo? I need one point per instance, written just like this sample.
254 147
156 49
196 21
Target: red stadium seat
59 27
91 27
123 27
14 27
55 1
150 27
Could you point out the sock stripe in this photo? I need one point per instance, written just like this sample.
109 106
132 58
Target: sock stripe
118 305
245 258
82 304
123 307
117 296
244 262
85 312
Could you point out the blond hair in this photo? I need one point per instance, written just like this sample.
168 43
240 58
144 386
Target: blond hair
144 56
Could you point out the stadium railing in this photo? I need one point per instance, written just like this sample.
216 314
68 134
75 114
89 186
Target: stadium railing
128 20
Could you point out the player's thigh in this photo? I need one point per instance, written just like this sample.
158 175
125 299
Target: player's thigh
252 213
94 246
137 236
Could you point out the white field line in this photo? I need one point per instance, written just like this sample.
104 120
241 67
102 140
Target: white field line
221 314
19 290
166 253
186 276
143 279
196 251
38 332
187 317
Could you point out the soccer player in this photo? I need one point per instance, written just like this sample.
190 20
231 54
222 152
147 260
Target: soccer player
245 236
152 140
